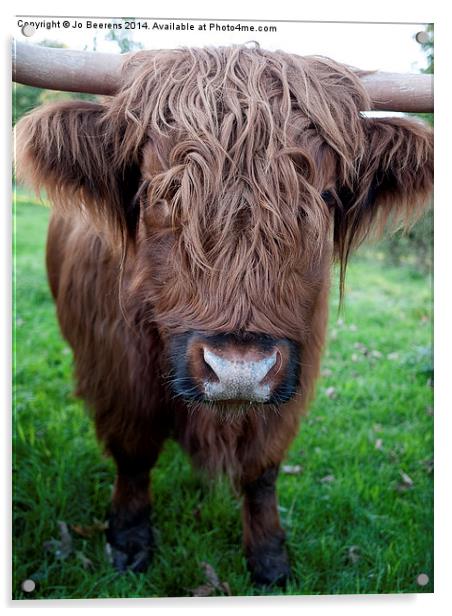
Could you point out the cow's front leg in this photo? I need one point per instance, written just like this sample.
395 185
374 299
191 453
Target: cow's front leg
263 536
129 531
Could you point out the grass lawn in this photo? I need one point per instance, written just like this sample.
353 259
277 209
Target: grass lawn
358 512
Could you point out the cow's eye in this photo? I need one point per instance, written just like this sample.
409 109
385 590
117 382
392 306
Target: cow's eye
328 197
157 215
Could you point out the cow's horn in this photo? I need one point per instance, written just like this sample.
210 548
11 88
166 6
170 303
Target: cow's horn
99 73
66 69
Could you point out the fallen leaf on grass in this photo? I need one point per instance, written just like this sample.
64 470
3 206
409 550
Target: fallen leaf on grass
203 591
328 479
196 512
211 574
108 554
428 465
406 483
354 554
213 583
359 346
406 479
86 562
330 392
288 469
89 531
62 547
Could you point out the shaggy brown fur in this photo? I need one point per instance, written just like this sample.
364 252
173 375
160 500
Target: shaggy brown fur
211 193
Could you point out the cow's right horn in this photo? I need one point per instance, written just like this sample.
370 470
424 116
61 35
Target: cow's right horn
67 69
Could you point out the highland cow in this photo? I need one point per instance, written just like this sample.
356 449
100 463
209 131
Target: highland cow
196 215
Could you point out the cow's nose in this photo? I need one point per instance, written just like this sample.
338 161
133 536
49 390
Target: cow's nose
238 375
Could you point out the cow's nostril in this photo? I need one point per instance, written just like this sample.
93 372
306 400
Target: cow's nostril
209 369
273 369
213 363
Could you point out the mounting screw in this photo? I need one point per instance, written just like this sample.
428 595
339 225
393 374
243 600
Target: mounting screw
28 586
28 30
422 579
422 37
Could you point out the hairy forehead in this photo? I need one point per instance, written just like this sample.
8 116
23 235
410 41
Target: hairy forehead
238 102
240 142
308 152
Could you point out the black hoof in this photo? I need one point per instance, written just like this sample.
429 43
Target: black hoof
131 539
269 563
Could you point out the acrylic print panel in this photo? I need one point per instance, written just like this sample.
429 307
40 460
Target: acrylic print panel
178 284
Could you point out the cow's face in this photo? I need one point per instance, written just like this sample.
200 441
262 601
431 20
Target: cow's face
233 269
250 170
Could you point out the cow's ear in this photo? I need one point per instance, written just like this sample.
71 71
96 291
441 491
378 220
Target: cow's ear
67 149
392 183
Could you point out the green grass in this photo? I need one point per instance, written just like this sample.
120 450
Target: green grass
365 531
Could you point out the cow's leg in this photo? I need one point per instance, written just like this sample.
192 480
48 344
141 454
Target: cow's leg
262 533
129 531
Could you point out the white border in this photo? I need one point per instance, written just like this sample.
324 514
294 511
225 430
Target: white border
383 10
